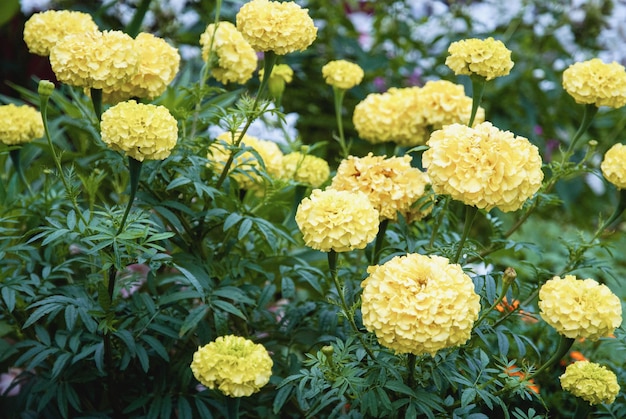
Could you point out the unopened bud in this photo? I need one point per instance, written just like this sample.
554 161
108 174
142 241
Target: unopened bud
509 276
45 88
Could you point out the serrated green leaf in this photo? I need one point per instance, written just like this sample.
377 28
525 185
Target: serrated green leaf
193 318
60 363
156 346
228 307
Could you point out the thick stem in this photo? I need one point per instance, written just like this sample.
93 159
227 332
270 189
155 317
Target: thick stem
96 101
134 167
135 24
470 215
232 407
380 240
583 409
478 88
564 346
338 95
410 377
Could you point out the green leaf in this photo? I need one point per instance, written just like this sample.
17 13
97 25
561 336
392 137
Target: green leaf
156 346
193 280
193 318
184 409
142 355
228 307
60 364
468 396
231 220
288 288
244 228
400 387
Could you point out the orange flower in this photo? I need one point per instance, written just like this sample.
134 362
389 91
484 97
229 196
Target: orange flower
513 371
505 307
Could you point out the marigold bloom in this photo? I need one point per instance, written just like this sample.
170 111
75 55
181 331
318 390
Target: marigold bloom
483 166
19 124
236 59
337 220
391 184
141 131
419 304
44 29
591 382
305 168
275 26
235 365
445 103
595 82
487 58
342 74
614 165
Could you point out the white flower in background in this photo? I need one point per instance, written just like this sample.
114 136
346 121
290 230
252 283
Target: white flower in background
364 24
613 36
29 7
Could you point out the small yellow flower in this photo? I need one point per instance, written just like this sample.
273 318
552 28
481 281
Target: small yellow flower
337 220
276 26
342 74
597 83
235 365
143 132
19 124
44 29
305 168
579 308
591 382
614 165
487 58
445 103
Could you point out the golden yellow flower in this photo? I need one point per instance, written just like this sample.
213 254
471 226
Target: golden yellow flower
419 304
235 365
597 83
487 58
445 103
275 26
483 166
342 74
614 165
141 131
579 308
19 124
591 382
337 220
236 59
305 168
44 29
391 184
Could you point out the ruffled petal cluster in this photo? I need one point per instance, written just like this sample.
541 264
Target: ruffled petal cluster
43 30
282 27
236 59
487 58
337 220
445 103
342 74
143 132
19 124
483 166
419 304
595 82
579 308
614 165
235 365
591 382
305 168
391 184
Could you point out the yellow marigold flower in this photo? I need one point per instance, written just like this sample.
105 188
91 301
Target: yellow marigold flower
275 26
591 382
305 168
597 83
419 304
98 60
236 59
445 103
44 29
579 308
141 131
19 124
235 365
337 220
342 74
614 165
486 58
391 184
483 166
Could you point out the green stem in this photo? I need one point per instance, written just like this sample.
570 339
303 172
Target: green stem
15 158
96 101
583 409
564 346
232 407
619 210
135 24
470 215
380 239
507 280
338 95
588 114
438 222
134 167
410 378
478 88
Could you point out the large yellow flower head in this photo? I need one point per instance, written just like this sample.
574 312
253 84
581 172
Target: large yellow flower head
391 184
419 304
305 168
445 103
337 220
236 59
591 382
276 26
595 82
342 74
98 60
483 166
579 308
143 132
614 165
487 58
235 365
19 124
44 29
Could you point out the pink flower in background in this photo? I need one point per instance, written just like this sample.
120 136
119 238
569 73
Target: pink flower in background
133 278
6 381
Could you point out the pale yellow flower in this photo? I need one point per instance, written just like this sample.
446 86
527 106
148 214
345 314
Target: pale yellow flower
44 29
337 220
282 27
483 166
235 365
591 382
419 304
342 74
579 308
595 82
305 168
236 59
487 58
445 103
614 165
19 124
143 132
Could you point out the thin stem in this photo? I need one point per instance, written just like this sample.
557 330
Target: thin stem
438 222
338 95
134 167
588 114
507 279
470 215
478 88
96 101
15 158
583 409
380 240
